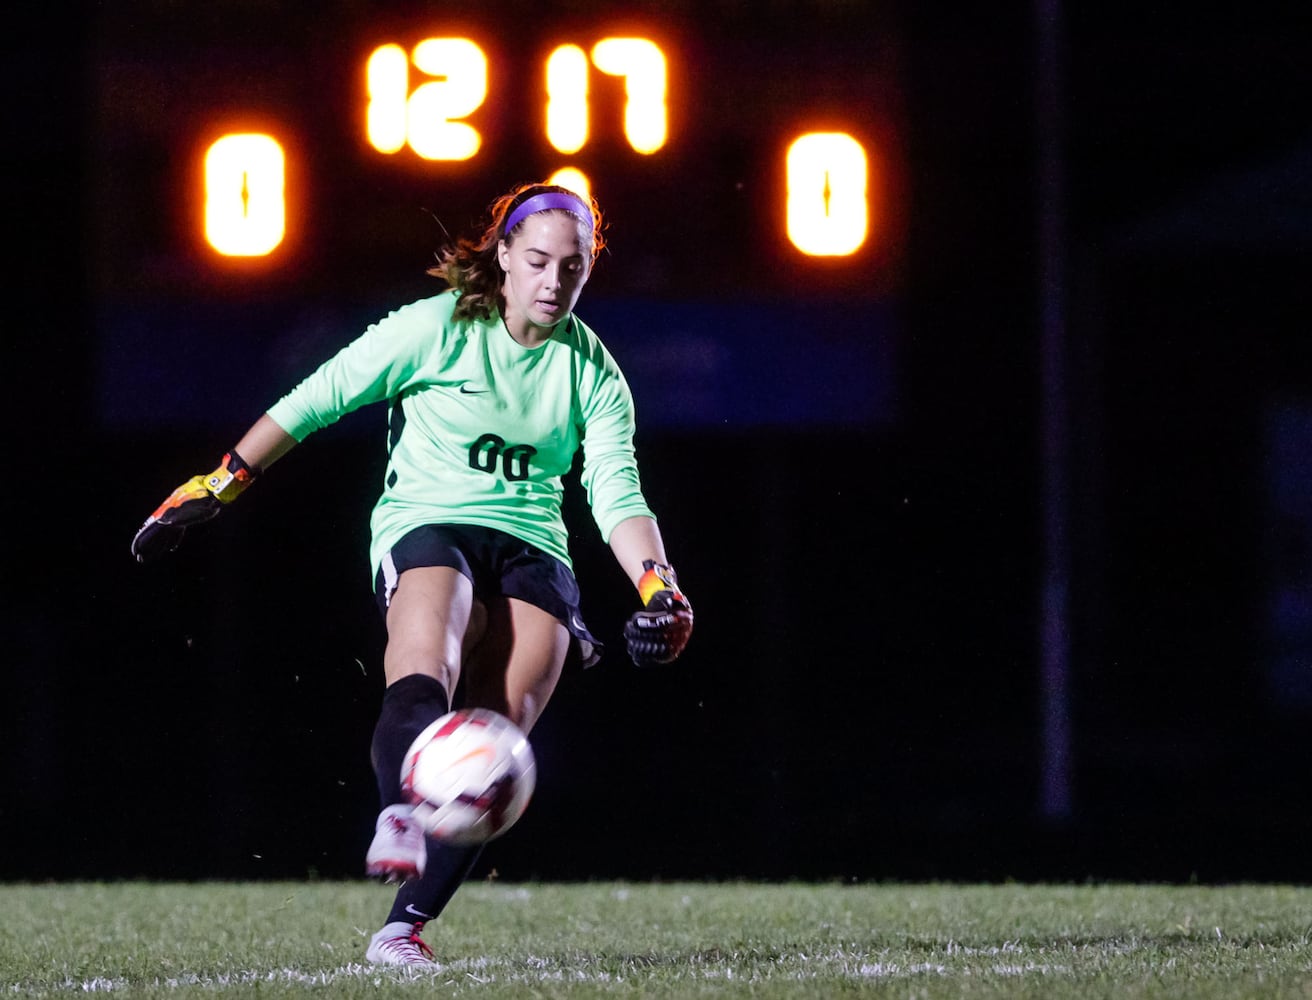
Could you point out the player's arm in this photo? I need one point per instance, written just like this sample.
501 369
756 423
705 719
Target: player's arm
659 632
201 498
373 367
265 443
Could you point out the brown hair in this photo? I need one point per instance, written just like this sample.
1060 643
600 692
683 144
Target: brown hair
470 265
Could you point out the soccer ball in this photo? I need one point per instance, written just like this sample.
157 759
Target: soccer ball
470 775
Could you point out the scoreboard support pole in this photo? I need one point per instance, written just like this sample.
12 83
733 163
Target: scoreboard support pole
1056 795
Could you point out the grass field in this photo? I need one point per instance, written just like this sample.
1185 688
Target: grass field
282 939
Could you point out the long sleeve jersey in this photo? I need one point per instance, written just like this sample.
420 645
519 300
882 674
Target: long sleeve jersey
481 429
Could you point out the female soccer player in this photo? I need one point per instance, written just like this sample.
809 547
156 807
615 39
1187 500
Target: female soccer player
492 387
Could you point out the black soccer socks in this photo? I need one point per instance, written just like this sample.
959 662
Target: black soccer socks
409 705
422 899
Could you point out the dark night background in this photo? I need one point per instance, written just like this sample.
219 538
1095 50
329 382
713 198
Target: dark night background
874 541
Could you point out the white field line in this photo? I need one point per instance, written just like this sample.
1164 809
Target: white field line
1009 960
474 973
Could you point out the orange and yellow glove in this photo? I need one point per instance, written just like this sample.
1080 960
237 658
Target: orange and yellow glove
658 633
199 499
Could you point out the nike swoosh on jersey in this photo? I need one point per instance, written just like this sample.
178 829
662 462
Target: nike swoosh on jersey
466 391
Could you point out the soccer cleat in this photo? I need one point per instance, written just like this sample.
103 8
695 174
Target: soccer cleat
398 851
400 944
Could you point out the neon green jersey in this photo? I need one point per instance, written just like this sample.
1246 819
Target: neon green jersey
481 430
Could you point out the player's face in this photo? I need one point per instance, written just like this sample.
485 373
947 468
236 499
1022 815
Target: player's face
546 267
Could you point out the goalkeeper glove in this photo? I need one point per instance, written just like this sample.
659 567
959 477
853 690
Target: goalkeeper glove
658 633
199 499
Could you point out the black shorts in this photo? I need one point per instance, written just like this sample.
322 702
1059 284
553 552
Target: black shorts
498 565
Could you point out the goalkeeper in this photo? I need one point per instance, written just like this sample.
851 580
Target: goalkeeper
491 387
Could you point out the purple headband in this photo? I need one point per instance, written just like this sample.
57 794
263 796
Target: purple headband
546 201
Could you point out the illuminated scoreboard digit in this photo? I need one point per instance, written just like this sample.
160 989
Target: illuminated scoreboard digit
424 102
245 210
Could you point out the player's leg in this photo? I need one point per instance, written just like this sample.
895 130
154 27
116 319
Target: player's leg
518 664
430 612
512 670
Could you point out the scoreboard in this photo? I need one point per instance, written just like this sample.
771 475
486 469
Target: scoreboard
247 146
269 177
827 208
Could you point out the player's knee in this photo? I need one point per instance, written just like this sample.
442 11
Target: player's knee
402 662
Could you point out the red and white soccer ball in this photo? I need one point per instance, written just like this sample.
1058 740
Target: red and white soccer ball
470 775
